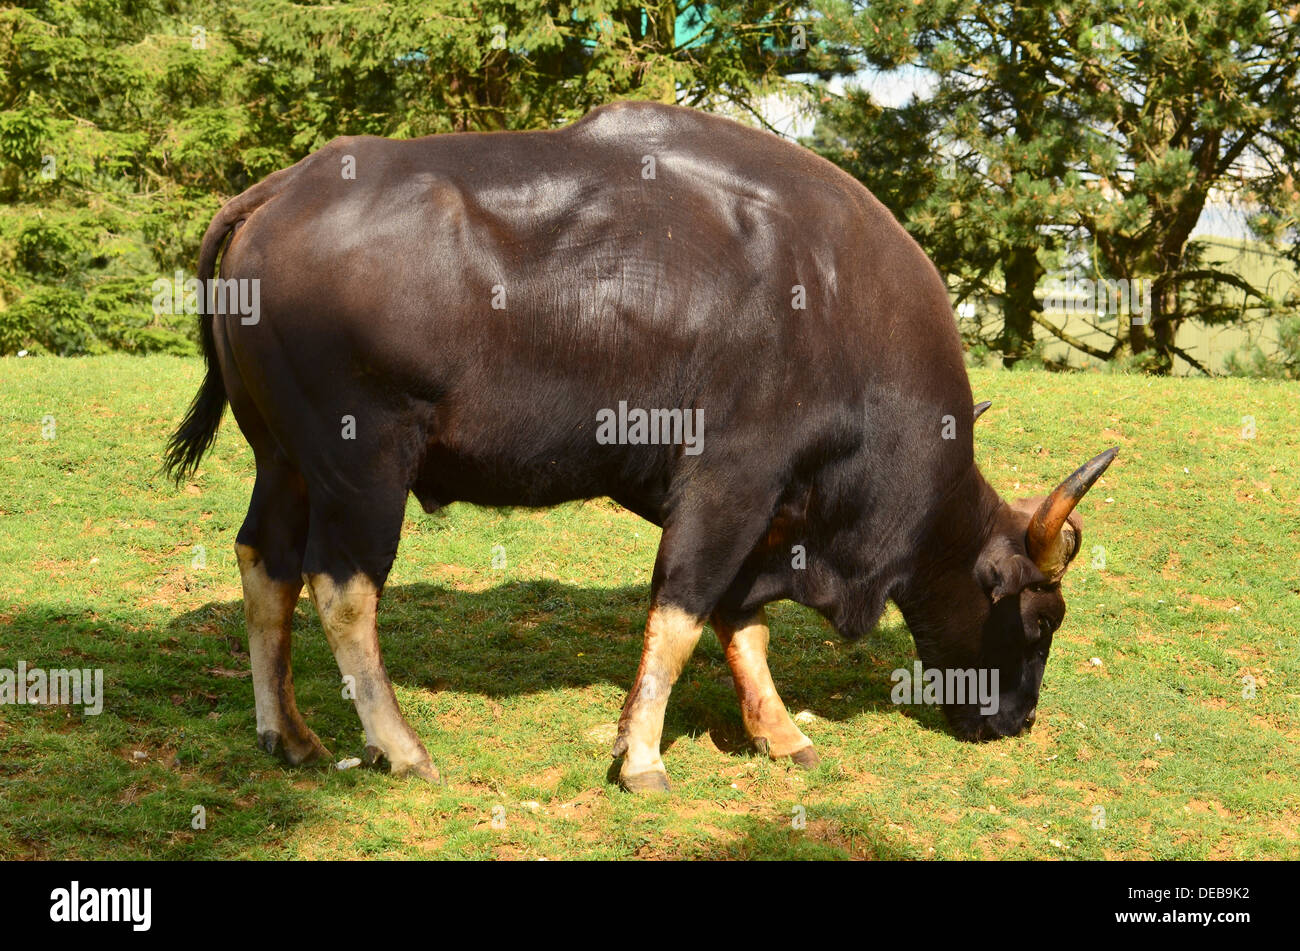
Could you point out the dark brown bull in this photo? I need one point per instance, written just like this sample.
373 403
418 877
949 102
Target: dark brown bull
460 317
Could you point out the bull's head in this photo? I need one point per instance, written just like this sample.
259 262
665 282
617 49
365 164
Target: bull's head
999 605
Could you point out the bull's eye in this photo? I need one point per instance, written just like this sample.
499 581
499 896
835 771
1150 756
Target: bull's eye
1044 629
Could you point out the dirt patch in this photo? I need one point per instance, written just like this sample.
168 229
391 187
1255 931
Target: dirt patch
1200 807
579 808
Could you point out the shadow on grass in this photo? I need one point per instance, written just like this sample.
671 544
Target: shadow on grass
525 637
178 724
833 833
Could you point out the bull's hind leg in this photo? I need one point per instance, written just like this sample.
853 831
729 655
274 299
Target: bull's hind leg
766 719
270 548
350 550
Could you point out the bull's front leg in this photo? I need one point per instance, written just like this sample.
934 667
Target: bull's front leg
670 636
706 538
766 719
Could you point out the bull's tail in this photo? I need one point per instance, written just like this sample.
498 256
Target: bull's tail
198 429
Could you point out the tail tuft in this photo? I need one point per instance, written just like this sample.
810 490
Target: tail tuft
198 430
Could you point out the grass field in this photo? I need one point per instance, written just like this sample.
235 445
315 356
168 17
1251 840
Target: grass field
514 676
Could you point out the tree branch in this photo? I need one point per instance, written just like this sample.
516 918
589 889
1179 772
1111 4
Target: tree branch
1060 334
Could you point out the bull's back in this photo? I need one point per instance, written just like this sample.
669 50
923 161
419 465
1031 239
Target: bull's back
495 292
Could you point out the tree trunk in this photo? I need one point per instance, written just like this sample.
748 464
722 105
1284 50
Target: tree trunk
1019 304
1163 321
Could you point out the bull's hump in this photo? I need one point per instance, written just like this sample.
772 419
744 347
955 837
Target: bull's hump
646 124
714 154
635 116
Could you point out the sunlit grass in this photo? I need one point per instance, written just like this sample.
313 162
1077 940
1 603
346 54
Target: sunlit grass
514 676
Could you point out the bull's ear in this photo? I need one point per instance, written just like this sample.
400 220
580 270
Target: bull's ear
1003 571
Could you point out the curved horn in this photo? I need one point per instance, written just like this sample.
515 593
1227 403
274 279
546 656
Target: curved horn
981 407
1044 540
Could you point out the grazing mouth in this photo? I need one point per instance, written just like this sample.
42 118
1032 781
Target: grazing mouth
980 731
984 729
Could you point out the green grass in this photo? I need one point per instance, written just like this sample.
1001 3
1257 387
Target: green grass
514 677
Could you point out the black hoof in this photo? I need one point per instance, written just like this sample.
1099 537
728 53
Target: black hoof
426 771
806 758
269 742
292 752
372 757
646 783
